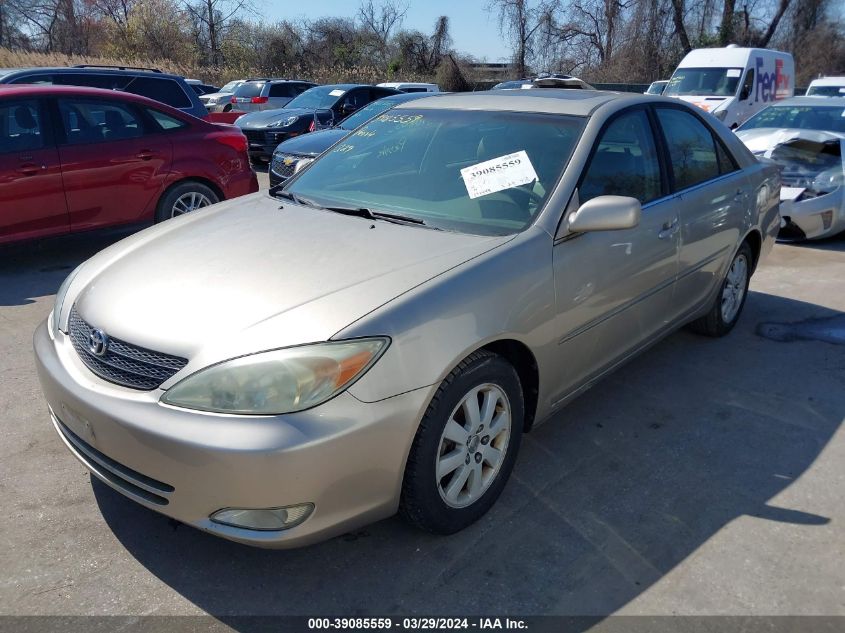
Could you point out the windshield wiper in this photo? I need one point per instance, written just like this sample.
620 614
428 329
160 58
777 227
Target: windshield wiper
364 212
277 191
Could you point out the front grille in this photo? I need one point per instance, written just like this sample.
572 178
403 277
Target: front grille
123 363
279 167
130 481
255 137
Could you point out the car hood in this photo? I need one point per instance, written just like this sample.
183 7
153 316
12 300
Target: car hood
263 118
314 143
759 140
257 273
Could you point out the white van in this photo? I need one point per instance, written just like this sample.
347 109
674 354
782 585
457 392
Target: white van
410 87
827 87
733 83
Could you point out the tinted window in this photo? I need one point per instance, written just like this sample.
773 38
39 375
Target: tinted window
726 163
692 148
95 121
283 90
159 89
441 166
33 79
747 85
20 126
92 80
165 121
249 89
624 162
319 97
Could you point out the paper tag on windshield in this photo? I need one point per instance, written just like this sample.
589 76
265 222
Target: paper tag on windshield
790 193
498 174
336 93
734 72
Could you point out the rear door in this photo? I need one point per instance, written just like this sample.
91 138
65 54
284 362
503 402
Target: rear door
714 195
114 162
32 199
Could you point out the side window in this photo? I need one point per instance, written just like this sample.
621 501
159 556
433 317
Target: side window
36 79
90 80
747 86
283 90
20 126
692 148
96 121
726 163
624 162
165 121
160 89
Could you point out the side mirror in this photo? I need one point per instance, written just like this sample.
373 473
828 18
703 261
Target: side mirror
606 213
744 94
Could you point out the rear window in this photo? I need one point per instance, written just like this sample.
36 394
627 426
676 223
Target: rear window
283 90
249 89
160 89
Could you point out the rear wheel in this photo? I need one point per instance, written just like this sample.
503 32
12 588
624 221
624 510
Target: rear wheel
725 311
465 447
184 198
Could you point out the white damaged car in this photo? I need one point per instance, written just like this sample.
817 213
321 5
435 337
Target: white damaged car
805 136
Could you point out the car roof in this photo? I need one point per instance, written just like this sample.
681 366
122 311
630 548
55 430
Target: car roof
810 101
35 90
546 101
98 69
838 80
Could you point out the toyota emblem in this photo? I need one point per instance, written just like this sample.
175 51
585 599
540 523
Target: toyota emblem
98 342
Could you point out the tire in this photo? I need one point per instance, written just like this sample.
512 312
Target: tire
175 199
717 322
425 500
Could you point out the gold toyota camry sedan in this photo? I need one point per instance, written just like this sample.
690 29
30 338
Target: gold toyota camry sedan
376 334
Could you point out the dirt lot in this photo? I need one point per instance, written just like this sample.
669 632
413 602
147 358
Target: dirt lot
705 477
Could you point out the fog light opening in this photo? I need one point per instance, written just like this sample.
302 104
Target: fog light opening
827 219
264 519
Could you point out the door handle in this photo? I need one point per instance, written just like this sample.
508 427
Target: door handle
669 229
30 169
146 154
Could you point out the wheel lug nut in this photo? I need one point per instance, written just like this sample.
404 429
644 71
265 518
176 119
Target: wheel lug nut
485 439
466 461
478 458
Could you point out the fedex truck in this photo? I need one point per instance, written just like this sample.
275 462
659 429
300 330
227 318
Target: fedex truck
733 83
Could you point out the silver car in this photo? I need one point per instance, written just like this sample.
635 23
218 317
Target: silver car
378 335
260 94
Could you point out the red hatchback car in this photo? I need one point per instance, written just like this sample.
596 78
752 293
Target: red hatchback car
73 159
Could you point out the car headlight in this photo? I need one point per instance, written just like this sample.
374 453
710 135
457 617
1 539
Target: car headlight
302 162
826 182
60 300
211 100
284 122
278 381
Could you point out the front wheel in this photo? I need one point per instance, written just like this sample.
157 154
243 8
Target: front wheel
725 311
465 447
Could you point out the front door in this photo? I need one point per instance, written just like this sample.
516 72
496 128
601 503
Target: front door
114 163
614 288
32 200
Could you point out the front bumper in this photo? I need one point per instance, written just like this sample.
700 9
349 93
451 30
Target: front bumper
813 218
262 143
346 457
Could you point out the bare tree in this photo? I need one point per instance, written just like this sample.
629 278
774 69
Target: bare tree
521 21
380 22
212 18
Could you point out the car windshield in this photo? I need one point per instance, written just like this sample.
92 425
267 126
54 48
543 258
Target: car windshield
471 171
826 91
366 113
249 89
319 97
655 89
230 87
717 82
810 117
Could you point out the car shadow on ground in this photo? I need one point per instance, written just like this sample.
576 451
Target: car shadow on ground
607 497
37 269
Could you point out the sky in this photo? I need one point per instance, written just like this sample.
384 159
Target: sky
473 30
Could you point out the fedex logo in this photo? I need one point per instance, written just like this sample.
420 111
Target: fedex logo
770 86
